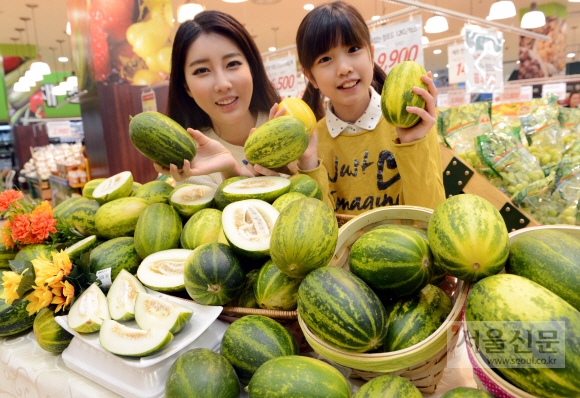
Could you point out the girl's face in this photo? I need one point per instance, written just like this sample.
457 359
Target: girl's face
574 100
344 74
218 78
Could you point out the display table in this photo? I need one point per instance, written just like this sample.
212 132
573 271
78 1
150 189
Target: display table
26 370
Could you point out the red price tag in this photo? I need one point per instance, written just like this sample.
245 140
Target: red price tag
283 82
388 60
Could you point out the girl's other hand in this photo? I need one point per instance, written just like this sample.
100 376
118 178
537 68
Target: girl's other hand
275 112
428 115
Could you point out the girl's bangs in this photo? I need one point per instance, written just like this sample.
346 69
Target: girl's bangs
331 31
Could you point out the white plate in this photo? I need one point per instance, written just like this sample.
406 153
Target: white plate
203 316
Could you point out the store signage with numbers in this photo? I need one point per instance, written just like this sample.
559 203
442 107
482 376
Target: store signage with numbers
397 43
456 61
514 93
483 60
282 75
554 88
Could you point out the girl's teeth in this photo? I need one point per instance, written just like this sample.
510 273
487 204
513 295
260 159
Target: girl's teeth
348 85
227 102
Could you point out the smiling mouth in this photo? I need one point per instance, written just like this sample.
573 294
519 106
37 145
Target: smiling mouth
227 102
349 84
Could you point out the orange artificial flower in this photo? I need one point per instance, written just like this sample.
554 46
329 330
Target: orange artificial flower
11 281
6 235
41 297
21 228
7 197
44 208
63 295
42 224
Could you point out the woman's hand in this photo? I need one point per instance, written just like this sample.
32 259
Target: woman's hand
428 115
211 157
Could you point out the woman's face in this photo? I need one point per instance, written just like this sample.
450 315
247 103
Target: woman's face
574 100
218 78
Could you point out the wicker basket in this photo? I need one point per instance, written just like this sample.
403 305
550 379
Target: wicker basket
423 363
485 377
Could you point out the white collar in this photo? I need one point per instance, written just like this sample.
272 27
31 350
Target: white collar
368 120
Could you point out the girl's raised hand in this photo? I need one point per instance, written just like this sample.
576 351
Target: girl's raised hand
211 157
428 115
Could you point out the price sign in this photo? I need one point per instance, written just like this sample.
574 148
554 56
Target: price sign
300 86
483 60
456 61
148 101
442 100
398 43
458 97
526 93
58 129
509 94
555 88
282 75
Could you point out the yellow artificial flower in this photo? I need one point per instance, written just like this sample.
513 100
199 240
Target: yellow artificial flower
41 297
46 271
44 207
11 281
62 261
63 295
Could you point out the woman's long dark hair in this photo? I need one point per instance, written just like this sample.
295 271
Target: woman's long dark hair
180 106
327 26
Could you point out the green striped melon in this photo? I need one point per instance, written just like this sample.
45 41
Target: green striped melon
83 217
119 217
304 237
6 255
213 275
154 192
298 376
550 258
115 254
247 298
266 188
252 341
398 94
161 139
412 320
306 185
90 187
342 310
466 392
122 295
390 386
64 210
439 274
85 245
393 261
220 200
136 186
14 318
89 311
201 373
115 187
468 237
203 227
153 312
248 226
131 342
158 228
188 199
277 142
515 308
284 200
49 335
163 271
275 290
30 252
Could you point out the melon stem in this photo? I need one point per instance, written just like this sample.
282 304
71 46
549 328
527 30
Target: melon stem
213 288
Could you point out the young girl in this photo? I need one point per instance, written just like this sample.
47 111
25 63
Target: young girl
219 90
361 162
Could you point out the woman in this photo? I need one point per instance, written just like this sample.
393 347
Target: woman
219 91
574 99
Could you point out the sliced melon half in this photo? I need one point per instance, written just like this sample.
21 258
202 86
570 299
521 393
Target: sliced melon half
266 188
122 340
155 312
82 246
122 295
115 187
248 225
89 311
188 199
163 271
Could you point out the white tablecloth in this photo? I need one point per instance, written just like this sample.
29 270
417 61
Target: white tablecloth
26 370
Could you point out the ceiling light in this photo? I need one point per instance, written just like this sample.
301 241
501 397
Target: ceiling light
27 81
271 48
447 66
424 40
571 55
67 29
234 1
533 18
187 11
375 17
518 62
66 85
40 67
34 75
437 51
73 80
62 59
20 87
502 9
57 90
309 7
436 75
436 24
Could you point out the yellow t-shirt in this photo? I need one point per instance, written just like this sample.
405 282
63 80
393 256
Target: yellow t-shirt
366 170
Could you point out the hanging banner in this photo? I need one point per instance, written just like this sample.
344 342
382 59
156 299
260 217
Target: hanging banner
456 61
483 60
282 75
398 43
